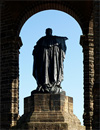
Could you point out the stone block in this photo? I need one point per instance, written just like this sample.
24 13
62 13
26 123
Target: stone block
48 112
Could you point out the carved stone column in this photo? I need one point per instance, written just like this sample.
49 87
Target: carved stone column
9 81
88 52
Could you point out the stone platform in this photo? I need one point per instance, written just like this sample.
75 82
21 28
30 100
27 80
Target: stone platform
49 112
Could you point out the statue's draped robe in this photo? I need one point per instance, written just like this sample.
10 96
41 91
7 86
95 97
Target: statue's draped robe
49 54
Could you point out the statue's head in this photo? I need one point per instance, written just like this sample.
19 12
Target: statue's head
48 31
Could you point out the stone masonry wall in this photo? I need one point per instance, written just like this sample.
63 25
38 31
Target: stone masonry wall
9 78
96 89
88 50
10 82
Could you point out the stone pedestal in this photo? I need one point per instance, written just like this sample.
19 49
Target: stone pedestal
49 112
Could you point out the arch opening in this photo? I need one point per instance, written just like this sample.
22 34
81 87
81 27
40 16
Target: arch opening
62 25
30 11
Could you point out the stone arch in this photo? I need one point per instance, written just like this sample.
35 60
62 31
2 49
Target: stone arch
86 41
32 11
29 11
12 21
43 30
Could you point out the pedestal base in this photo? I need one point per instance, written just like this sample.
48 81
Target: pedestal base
49 112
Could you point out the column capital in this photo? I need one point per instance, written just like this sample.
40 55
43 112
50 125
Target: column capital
86 40
14 40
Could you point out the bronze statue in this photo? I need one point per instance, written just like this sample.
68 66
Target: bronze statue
49 54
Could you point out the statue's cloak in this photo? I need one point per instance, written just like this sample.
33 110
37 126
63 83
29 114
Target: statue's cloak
49 54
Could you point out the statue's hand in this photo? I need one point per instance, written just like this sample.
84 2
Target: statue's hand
65 38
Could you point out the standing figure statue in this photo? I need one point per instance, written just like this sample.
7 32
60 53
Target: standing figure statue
49 54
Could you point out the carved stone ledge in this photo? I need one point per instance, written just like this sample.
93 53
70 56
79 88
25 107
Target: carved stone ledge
12 40
87 40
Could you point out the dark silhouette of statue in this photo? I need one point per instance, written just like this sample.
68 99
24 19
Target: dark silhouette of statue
49 54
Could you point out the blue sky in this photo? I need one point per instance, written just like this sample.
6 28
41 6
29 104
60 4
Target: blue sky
62 24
